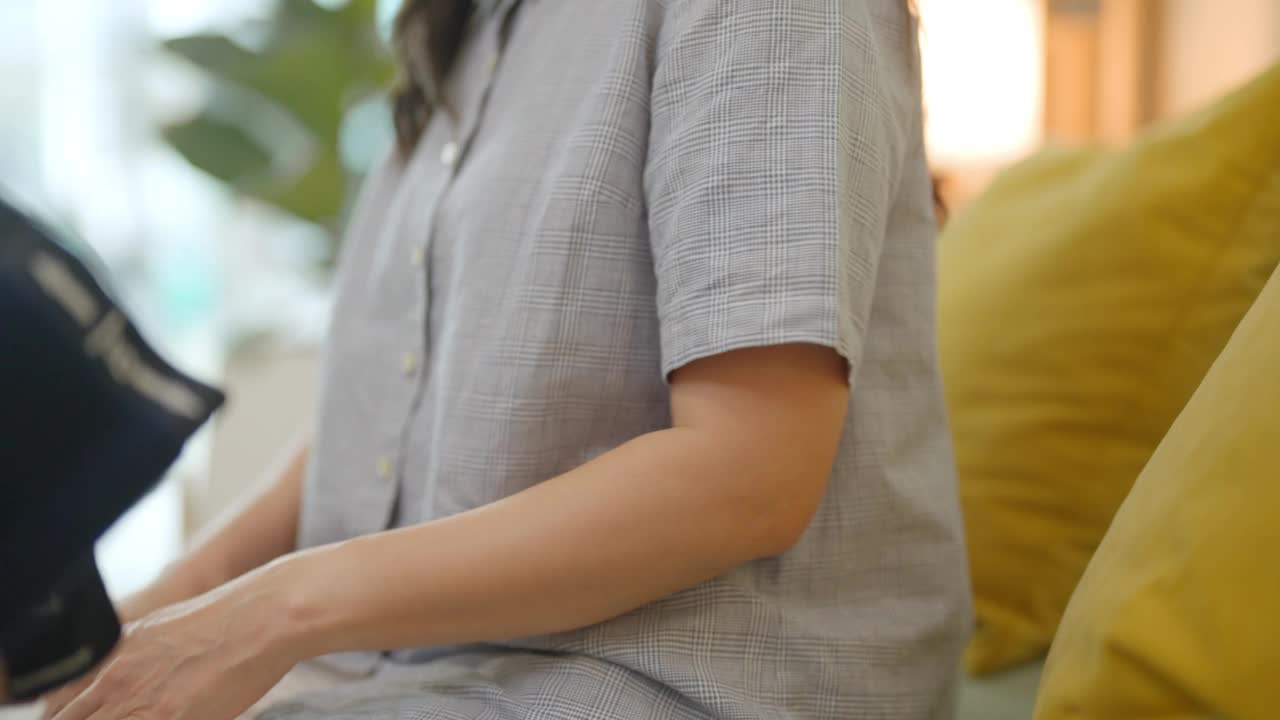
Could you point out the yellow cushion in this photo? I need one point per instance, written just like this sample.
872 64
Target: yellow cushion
1082 299
1178 614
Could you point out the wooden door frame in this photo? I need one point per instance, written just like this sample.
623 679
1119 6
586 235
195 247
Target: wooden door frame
1101 68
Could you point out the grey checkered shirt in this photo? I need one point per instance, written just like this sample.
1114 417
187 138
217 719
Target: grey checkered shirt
625 186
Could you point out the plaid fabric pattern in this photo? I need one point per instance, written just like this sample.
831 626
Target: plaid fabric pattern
623 187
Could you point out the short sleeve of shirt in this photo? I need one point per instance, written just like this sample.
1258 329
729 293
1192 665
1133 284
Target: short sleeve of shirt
773 154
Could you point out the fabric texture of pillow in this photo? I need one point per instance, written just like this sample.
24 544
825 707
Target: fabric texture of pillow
1082 299
1177 614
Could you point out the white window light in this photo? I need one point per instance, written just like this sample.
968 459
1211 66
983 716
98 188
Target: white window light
983 64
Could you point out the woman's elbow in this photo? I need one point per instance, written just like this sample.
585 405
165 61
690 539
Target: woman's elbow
785 509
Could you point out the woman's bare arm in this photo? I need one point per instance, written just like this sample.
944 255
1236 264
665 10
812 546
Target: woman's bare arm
738 477
252 534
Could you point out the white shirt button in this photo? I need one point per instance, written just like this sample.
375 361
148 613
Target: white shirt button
418 256
409 363
491 65
385 467
449 154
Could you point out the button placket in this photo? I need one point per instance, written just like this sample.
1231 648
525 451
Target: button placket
451 142
449 154
385 468
495 38
409 363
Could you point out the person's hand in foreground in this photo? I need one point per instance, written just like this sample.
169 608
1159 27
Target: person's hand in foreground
262 528
209 658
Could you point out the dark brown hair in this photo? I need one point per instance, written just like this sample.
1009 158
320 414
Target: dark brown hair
428 35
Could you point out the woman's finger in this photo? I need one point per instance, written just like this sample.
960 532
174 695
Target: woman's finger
60 698
81 707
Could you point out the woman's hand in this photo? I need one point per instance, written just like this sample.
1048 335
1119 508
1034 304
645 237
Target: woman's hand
131 609
135 607
249 538
209 658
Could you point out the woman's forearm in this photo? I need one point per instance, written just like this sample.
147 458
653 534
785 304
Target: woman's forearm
737 477
658 515
250 535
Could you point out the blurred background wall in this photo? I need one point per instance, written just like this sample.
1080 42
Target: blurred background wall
1004 76
207 150
1209 46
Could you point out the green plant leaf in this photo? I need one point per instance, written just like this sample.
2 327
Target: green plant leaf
316 62
316 195
220 149
305 79
214 53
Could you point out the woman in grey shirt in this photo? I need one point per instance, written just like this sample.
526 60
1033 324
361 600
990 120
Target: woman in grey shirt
630 406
